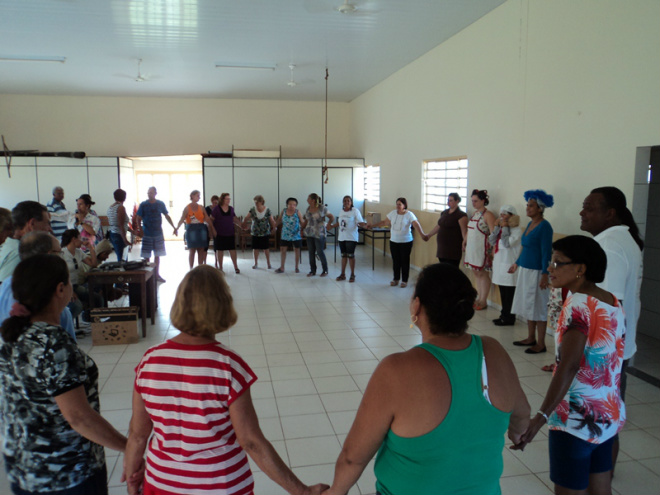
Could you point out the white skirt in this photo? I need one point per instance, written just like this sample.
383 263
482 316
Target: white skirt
530 301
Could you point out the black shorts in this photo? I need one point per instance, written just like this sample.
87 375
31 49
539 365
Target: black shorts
347 247
260 242
224 243
291 244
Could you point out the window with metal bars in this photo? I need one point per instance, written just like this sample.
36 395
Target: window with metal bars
441 177
372 183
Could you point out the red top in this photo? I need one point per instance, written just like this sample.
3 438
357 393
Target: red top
187 391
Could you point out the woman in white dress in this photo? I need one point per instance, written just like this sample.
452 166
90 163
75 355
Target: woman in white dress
477 249
505 240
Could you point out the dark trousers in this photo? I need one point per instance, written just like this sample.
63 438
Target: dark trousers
118 245
97 484
316 246
401 259
456 263
506 295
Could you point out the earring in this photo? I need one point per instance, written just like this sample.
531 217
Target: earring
578 276
413 318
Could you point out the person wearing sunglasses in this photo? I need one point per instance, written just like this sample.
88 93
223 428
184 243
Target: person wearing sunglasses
583 406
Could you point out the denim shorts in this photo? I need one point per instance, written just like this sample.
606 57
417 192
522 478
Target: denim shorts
572 459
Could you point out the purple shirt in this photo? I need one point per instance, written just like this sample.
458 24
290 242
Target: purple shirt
223 222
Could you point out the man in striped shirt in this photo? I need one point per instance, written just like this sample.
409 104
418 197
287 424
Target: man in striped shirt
59 216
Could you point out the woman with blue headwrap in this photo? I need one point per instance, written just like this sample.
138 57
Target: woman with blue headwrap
532 292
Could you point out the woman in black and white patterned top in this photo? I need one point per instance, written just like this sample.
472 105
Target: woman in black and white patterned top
53 432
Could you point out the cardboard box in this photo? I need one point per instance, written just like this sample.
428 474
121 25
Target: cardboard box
112 326
373 217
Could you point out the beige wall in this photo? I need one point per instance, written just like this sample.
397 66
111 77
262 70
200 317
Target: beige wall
106 126
554 95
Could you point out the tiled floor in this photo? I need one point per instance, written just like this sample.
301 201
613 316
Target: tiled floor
314 342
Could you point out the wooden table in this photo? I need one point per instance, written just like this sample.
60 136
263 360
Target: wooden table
373 234
143 277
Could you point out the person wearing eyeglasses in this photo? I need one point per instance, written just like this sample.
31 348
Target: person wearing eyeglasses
583 406
531 298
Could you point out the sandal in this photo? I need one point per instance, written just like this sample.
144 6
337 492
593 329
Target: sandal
325 274
479 308
279 270
270 267
549 368
341 277
297 270
311 274
237 271
254 267
352 279
394 283
404 285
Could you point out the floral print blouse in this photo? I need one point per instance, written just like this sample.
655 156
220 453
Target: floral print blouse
592 409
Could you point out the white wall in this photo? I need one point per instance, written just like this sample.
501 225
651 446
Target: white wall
555 95
107 126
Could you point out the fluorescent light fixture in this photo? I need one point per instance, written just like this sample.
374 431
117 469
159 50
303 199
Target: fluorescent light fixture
246 65
31 58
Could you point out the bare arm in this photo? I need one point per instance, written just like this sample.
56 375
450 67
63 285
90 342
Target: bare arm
433 231
90 260
490 220
463 223
169 220
209 223
419 229
572 350
138 436
181 220
383 223
122 219
250 437
86 421
372 422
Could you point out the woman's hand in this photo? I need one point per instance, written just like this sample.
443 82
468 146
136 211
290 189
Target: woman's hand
535 425
176 232
513 268
135 482
543 284
316 489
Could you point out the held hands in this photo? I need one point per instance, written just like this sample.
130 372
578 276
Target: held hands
426 237
513 268
136 480
535 425
176 231
316 489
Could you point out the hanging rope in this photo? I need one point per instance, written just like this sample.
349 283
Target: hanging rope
325 156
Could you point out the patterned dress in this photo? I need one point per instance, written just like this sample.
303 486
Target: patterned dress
477 249
592 409
42 452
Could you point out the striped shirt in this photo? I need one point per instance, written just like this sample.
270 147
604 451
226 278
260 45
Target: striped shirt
58 221
187 391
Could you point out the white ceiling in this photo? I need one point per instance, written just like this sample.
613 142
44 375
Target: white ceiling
180 41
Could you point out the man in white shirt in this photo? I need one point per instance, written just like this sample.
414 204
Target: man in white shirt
605 216
27 216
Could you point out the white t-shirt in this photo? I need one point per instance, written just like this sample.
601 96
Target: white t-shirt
348 224
400 229
623 277
74 262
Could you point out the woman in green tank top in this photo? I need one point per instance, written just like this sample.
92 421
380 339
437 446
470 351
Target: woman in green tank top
436 414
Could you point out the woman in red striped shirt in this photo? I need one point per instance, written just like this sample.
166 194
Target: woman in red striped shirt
193 393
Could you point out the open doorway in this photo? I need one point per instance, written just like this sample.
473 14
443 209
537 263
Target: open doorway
174 177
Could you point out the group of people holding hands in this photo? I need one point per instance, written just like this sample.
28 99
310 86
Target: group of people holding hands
429 414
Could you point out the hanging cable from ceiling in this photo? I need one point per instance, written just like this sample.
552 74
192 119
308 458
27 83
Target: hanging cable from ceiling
325 155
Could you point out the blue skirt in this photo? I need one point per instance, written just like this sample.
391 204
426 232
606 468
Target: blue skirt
197 235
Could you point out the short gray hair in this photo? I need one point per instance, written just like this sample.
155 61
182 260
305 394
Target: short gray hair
56 188
34 243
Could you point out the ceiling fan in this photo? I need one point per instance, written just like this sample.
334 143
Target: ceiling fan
349 7
292 83
139 77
